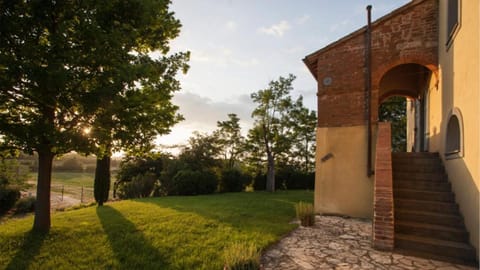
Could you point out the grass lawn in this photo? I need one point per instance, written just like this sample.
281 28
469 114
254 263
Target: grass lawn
153 233
77 179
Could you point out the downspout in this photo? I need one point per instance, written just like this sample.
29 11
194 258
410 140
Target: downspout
368 88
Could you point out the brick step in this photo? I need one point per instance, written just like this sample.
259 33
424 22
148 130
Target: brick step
449 249
417 161
427 206
432 231
416 155
422 185
412 194
417 176
417 169
454 221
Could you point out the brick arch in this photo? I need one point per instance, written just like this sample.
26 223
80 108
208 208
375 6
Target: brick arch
381 70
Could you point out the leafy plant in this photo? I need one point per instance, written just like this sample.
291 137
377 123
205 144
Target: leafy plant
25 205
189 182
233 180
305 213
242 256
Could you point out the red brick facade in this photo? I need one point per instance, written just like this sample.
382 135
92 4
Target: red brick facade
383 215
407 35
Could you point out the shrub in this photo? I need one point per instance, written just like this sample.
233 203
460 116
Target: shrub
289 178
233 180
241 256
25 205
260 181
305 213
188 182
8 196
141 186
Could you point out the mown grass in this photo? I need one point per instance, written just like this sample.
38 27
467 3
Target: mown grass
153 233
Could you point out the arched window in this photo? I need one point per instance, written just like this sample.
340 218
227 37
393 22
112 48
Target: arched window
454 139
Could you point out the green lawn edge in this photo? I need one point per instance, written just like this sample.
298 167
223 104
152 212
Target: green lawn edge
178 232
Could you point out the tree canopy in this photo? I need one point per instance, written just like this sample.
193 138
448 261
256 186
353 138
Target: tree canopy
63 62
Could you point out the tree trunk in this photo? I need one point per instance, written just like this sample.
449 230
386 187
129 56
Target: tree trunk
41 221
270 173
101 185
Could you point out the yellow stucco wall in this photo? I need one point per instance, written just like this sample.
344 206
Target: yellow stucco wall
459 89
341 183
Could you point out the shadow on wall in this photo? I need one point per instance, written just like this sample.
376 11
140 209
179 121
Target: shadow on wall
467 193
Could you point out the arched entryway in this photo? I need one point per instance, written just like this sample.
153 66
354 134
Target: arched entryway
408 82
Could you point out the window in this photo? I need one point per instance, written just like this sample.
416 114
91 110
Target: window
454 139
452 19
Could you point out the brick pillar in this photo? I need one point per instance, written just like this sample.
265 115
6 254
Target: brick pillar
383 222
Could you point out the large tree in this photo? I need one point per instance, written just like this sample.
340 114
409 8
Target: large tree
273 106
60 61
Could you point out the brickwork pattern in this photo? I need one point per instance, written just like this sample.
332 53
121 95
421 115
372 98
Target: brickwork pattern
383 217
407 35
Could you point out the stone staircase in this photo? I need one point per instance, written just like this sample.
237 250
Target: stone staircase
428 222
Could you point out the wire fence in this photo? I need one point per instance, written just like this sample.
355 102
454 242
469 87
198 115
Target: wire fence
64 196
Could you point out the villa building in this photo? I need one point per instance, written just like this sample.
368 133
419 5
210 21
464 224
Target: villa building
425 200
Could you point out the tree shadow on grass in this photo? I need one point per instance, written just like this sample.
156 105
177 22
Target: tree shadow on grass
31 245
132 250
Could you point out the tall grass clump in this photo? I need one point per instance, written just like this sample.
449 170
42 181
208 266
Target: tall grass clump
305 213
242 256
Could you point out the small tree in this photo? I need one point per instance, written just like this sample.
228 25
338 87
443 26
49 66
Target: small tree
230 139
273 106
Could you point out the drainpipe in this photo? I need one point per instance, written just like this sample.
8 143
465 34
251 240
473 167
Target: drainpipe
368 88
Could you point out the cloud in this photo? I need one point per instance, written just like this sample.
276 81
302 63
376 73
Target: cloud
202 113
277 30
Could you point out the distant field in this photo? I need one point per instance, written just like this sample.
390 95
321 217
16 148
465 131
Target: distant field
78 186
70 179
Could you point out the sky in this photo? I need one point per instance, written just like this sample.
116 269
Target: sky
238 46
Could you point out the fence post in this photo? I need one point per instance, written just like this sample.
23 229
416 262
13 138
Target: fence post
63 187
81 197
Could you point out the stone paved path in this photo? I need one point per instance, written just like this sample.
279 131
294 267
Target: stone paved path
340 243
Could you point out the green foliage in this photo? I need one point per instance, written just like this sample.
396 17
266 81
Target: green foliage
12 180
25 205
67 65
283 132
291 177
233 180
175 232
242 256
140 186
8 196
230 140
393 110
201 152
189 182
305 213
